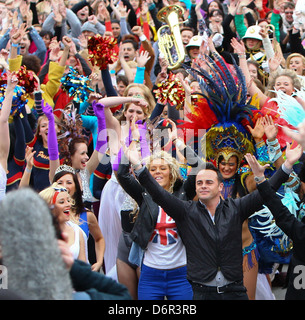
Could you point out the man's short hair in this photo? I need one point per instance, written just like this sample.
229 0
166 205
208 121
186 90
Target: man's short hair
289 5
134 44
210 166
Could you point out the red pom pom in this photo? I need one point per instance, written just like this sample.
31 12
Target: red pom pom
26 79
102 51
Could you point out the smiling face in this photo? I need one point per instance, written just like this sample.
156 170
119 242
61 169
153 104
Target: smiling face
67 182
80 157
43 130
284 84
62 207
24 44
160 171
228 168
193 52
208 188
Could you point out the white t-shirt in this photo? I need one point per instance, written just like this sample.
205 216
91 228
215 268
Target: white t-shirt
165 249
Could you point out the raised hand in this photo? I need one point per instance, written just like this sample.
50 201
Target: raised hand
258 130
270 128
292 155
47 110
257 169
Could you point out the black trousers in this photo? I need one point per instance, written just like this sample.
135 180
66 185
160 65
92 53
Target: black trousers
230 292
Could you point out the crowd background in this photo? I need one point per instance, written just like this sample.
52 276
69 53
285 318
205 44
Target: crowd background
68 147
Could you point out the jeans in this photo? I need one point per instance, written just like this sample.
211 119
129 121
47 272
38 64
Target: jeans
155 284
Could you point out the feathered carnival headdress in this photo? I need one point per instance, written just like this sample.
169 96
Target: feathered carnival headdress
222 110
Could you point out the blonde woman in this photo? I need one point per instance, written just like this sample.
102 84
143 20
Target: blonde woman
59 200
296 62
155 236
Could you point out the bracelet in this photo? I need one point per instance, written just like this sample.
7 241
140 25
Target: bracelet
28 170
134 166
16 45
259 179
136 140
272 143
179 144
260 144
294 183
242 56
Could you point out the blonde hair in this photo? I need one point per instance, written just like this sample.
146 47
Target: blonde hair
294 55
287 73
174 168
48 193
173 164
146 94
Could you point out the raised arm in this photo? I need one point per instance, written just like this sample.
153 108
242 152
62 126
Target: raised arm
4 115
293 228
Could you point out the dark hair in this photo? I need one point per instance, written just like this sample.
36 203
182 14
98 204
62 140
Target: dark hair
210 166
78 205
122 78
43 33
210 14
32 63
220 6
134 43
238 188
185 28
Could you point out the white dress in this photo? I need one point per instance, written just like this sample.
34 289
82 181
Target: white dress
109 220
3 180
75 247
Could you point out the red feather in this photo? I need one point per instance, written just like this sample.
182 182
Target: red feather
202 116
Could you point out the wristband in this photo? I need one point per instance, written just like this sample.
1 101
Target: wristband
135 166
259 179
135 140
16 45
272 143
28 170
143 37
242 56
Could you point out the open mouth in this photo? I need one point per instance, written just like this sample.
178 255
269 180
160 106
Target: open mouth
67 212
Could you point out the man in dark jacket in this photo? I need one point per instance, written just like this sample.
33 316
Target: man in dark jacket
211 228
293 228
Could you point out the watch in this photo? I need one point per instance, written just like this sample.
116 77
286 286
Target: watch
259 179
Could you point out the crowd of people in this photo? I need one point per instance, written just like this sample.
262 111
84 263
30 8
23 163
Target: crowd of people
173 171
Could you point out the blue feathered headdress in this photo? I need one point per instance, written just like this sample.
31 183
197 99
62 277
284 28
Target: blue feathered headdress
225 91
